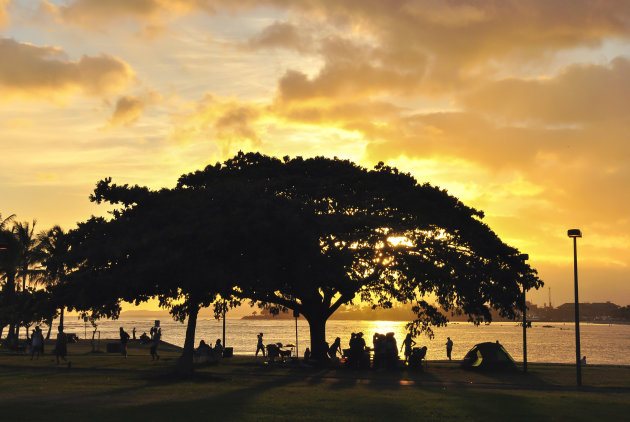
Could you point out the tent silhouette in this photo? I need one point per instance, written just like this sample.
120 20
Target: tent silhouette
488 356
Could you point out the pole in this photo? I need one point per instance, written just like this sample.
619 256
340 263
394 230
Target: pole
224 325
297 349
578 365
524 332
296 314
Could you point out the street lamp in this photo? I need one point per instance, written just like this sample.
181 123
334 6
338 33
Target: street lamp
296 315
524 257
575 233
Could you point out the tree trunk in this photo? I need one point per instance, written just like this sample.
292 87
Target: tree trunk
185 363
61 318
11 341
317 326
50 323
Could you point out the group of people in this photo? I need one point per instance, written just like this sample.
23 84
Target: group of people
385 350
36 345
205 353
153 340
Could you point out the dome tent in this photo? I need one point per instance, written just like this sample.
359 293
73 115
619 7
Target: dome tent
488 356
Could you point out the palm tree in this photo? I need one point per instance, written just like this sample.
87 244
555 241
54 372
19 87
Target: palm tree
52 251
24 232
4 222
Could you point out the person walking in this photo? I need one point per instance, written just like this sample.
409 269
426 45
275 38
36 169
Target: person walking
61 346
260 345
449 347
407 344
124 338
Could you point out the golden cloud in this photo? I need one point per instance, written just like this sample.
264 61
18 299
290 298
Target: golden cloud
129 108
282 35
580 93
228 123
31 71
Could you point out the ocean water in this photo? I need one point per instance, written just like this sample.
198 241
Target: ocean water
600 343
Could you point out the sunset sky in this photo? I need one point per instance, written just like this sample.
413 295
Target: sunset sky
518 108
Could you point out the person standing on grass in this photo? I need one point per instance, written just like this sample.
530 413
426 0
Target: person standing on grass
260 345
61 346
449 347
155 341
124 338
37 340
407 344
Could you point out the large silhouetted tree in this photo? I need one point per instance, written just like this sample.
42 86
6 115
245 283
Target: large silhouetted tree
380 237
307 235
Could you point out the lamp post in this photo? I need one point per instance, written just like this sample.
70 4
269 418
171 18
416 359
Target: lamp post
575 233
524 257
296 314
224 307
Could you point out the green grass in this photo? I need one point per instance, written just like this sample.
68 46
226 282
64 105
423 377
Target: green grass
103 386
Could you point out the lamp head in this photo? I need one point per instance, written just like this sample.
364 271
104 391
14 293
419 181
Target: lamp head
574 233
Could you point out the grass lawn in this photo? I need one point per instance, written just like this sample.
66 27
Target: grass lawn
102 386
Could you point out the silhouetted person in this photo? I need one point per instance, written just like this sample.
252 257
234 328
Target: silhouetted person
407 344
449 347
391 350
144 338
260 345
307 355
378 341
61 346
133 333
124 338
361 341
203 347
417 354
155 341
218 348
37 342
335 348
583 360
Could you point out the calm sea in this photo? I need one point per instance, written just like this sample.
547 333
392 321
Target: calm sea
600 343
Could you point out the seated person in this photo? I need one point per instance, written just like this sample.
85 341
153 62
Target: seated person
144 338
218 347
203 348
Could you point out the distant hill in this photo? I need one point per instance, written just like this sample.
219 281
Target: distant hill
347 313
